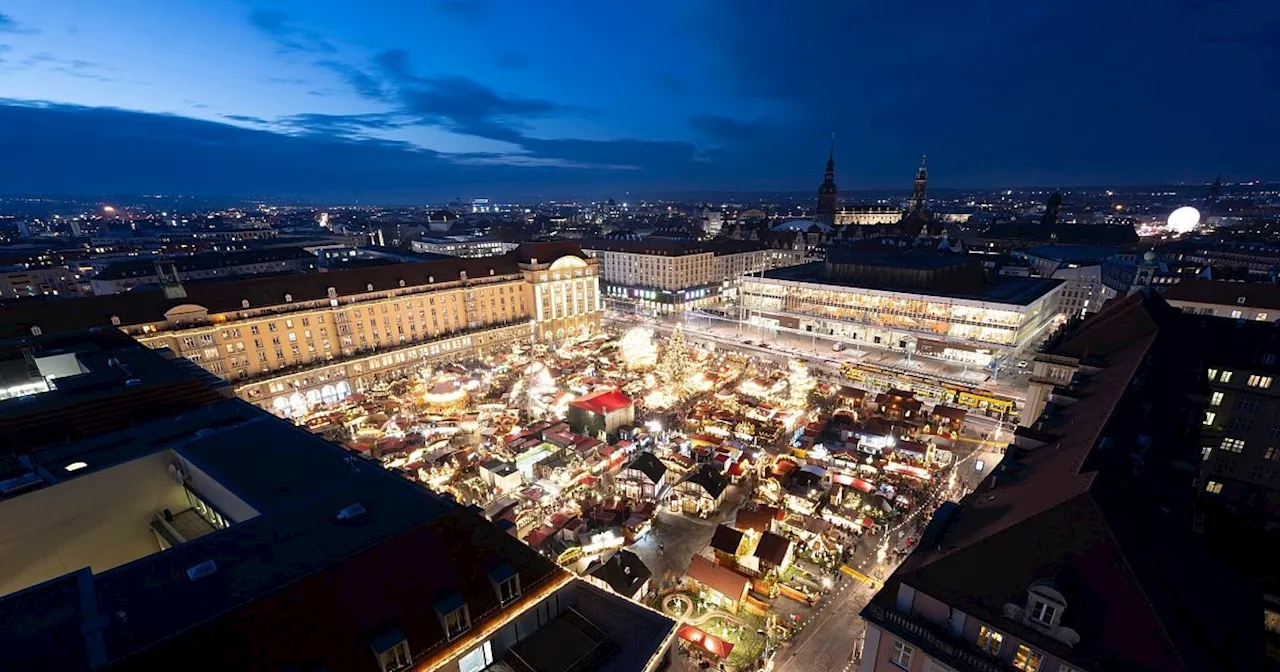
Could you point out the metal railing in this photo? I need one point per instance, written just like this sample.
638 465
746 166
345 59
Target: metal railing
936 645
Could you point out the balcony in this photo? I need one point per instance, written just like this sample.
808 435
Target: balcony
935 643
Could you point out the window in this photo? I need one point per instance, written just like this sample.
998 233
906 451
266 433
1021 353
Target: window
1235 314
1216 399
1262 317
457 622
1260 381
1209 417
1225 378
1240 425
1213 374
1248 405
396 658
1262 474
989 640
1232 445
1043 612
1271 454
900 654
1027 659
1213 488
479 658
509 590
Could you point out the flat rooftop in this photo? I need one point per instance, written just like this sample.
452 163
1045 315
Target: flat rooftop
1008 290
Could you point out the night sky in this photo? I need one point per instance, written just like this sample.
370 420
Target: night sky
395 101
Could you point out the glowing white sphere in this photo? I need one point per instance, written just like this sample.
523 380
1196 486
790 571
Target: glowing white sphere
1184 219
638 348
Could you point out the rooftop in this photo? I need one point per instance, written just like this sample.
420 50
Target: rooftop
603 402
136 268
1006 290
667 247
1080 514
1261 295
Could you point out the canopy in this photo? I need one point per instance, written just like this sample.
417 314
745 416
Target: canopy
706 641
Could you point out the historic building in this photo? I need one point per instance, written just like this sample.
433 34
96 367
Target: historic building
291 342
828 194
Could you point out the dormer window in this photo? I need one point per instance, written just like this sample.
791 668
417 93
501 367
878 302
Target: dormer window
506 582
402 282
115 320
369 287
454 615
288 298
1043 612
244 303
392 651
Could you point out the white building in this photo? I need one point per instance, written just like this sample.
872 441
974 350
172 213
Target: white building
1080 266
661 275
461 246
937 305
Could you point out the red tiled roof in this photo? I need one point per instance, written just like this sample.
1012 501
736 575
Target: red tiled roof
724 581
706 641
603 402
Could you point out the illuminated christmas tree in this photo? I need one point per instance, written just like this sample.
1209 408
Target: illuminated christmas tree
676 365
801 384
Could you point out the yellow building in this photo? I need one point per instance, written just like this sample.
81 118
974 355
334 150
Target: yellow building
291 342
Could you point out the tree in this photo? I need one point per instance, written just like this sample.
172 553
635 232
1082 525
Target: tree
676 365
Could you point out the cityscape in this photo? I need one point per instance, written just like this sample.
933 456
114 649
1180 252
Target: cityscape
323 353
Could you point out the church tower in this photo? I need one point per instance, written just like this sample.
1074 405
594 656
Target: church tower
918 195
827 192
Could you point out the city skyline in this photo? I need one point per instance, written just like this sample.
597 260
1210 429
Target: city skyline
463 98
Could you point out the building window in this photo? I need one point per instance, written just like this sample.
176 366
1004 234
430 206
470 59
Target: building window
1240 425
1225 378
1248 405
1213 374
396 658
1027 659
457 622
989 640
1043 613
479 658
1232 445
1271 454
1213 488
509 590
900 654
1216 399
1262 474
1235 314
1209 417
1260 381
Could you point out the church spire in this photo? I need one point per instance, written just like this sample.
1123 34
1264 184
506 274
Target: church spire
918 194
828 194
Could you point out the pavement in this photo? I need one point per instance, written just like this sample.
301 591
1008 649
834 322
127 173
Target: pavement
682 537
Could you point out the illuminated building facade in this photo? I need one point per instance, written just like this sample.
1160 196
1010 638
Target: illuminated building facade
291 342
936 308
669 276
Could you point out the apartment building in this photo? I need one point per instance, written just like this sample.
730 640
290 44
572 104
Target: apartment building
21 282
1236 300
661 275
1076 553
220 537
1080 267
291 342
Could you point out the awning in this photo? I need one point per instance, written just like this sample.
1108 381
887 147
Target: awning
706 641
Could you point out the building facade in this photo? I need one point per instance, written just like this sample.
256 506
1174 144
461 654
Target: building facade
867 215
974 324
290 343
667 276
1236 300
463 247
17 283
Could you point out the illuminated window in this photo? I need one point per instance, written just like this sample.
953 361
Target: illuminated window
1226 377
1027 659
989 640
1209 417
1232 445
1213 374
1260 381
1216 399
1213 488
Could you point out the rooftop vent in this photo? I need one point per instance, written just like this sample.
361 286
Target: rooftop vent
206 568
352 512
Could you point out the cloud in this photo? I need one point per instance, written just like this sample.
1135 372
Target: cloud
472 11
288 35
10 25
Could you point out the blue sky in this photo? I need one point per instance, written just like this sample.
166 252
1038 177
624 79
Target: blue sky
442 98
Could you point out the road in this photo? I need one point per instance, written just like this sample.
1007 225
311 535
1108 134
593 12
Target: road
828 642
